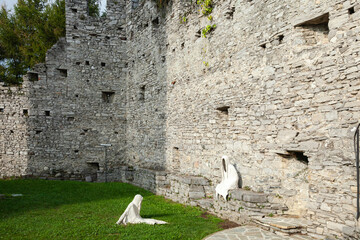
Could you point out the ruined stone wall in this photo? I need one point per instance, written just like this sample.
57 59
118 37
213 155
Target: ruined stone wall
76 100
146 85
13 131
274 87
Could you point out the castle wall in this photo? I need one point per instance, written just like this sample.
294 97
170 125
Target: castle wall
13 131
146 86
275 86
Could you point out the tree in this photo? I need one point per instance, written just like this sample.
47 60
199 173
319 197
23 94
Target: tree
94 9
26 35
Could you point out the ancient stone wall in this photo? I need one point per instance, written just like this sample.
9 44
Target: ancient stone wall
76 100
146 86
274 85
14 114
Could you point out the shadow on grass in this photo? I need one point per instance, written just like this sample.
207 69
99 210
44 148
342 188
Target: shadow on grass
44 194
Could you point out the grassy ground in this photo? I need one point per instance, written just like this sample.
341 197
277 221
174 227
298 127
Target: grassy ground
79 210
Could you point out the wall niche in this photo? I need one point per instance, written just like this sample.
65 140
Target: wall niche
315 30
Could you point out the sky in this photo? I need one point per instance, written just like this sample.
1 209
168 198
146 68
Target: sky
10 3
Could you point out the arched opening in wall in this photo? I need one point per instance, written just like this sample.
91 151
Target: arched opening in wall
25 112
315 30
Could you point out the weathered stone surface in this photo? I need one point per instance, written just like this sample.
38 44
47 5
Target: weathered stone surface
168 99
254 197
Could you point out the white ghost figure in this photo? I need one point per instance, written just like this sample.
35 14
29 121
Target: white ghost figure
132 214
230 178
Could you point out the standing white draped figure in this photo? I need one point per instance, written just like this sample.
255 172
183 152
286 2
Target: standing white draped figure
230 178
132 214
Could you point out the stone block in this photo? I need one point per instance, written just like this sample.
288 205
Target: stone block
88 179
237 194
199 181
253 197
196 195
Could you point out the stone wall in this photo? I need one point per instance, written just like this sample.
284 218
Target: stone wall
275 86
146 86
14 115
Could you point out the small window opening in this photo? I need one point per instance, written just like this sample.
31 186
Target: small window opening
70 119
224 109
76 95
63 72
142 93
198 34
280 38
75 37
296 154
11 131
103 64
299 155
47 113
94 165
2 110
25 112
78 63
87 63
120 28
123 38
74 10
33 76
263 45
107 37
156 22
351 10
108 96
38 132
116 133
315 30
75 27
76 151
229 14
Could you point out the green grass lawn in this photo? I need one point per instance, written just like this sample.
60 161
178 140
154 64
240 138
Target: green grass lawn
80 210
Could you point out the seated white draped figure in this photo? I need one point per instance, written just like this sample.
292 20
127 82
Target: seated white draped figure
230 178
132 214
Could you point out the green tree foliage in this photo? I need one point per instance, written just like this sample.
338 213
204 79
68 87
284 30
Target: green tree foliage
27 34
94 9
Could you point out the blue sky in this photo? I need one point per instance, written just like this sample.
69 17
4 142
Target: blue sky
10 3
